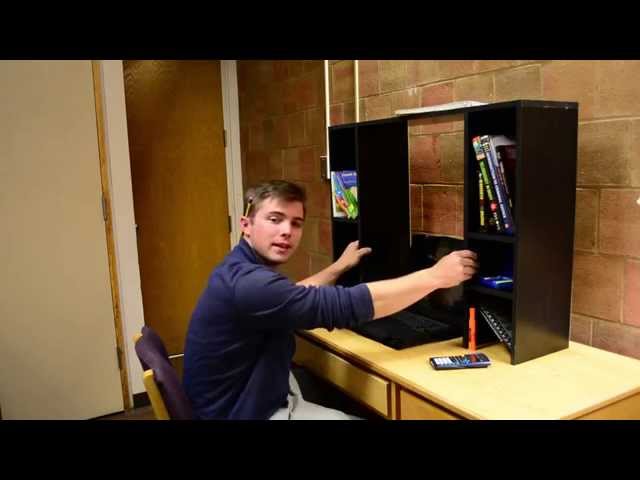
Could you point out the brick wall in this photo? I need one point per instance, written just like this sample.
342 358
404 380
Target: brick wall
606 278
282 136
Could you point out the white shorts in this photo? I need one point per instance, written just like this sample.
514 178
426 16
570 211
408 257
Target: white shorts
299 409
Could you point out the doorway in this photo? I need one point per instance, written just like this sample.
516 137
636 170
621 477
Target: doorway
179 180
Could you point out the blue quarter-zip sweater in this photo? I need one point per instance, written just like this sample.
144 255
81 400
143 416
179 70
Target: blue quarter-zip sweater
240 340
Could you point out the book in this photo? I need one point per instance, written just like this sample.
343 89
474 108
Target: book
506 154
496 177
344 187
482 205
349 181
338 204
487 216
503 149
497 222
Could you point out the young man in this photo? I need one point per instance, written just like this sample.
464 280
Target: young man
240 340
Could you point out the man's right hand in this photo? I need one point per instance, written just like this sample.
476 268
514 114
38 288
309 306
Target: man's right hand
351 256
454 268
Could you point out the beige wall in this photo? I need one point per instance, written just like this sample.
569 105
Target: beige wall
57 330
280 99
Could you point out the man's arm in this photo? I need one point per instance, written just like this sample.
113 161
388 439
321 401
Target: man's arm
349 258
391 296
264 299
328 276
267 300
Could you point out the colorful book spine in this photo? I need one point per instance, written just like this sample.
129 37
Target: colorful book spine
489 187
347 187
501 154
502 181
483 226
502 178
495 176
339 203
349 181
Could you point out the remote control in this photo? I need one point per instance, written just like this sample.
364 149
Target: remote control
471 360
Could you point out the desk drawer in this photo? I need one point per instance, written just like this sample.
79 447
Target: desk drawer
360 384
415 408
627 409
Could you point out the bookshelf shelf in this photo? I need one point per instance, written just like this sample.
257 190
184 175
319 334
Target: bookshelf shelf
491 237
491 291
345 220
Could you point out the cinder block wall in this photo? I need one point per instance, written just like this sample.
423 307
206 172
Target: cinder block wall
282 136
281 113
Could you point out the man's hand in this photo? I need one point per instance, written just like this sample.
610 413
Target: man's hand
455 268
351 256
349 259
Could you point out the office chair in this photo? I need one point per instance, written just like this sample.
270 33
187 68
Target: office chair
166 394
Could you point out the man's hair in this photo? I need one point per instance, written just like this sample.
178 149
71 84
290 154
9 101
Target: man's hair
280 189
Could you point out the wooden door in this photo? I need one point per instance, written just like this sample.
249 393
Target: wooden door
57 333
175 127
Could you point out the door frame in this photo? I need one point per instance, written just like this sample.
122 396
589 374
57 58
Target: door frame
231 117
118 194
98 94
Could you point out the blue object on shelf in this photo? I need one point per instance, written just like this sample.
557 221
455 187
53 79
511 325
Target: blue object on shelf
499 282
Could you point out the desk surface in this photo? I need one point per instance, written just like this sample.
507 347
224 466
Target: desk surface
565 384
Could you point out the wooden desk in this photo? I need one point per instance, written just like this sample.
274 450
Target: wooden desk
579 382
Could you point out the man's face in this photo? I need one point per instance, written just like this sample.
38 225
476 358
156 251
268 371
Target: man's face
275 229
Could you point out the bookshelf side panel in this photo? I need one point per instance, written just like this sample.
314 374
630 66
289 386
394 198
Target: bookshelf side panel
546 177
383 196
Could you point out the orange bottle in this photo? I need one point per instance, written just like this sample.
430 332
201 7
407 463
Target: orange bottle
472 329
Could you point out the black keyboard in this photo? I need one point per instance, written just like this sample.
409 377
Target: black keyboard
419 323
406 329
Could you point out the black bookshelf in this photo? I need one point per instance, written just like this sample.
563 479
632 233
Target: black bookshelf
378 151
540 252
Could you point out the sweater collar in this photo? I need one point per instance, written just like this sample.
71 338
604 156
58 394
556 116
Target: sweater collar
248 253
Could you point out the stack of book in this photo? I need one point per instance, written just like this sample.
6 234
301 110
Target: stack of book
344 194
496 155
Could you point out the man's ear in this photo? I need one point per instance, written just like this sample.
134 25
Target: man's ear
244 225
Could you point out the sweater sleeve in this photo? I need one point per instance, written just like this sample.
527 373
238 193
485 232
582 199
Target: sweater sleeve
265 299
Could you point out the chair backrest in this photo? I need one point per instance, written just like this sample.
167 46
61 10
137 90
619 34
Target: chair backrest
166 394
